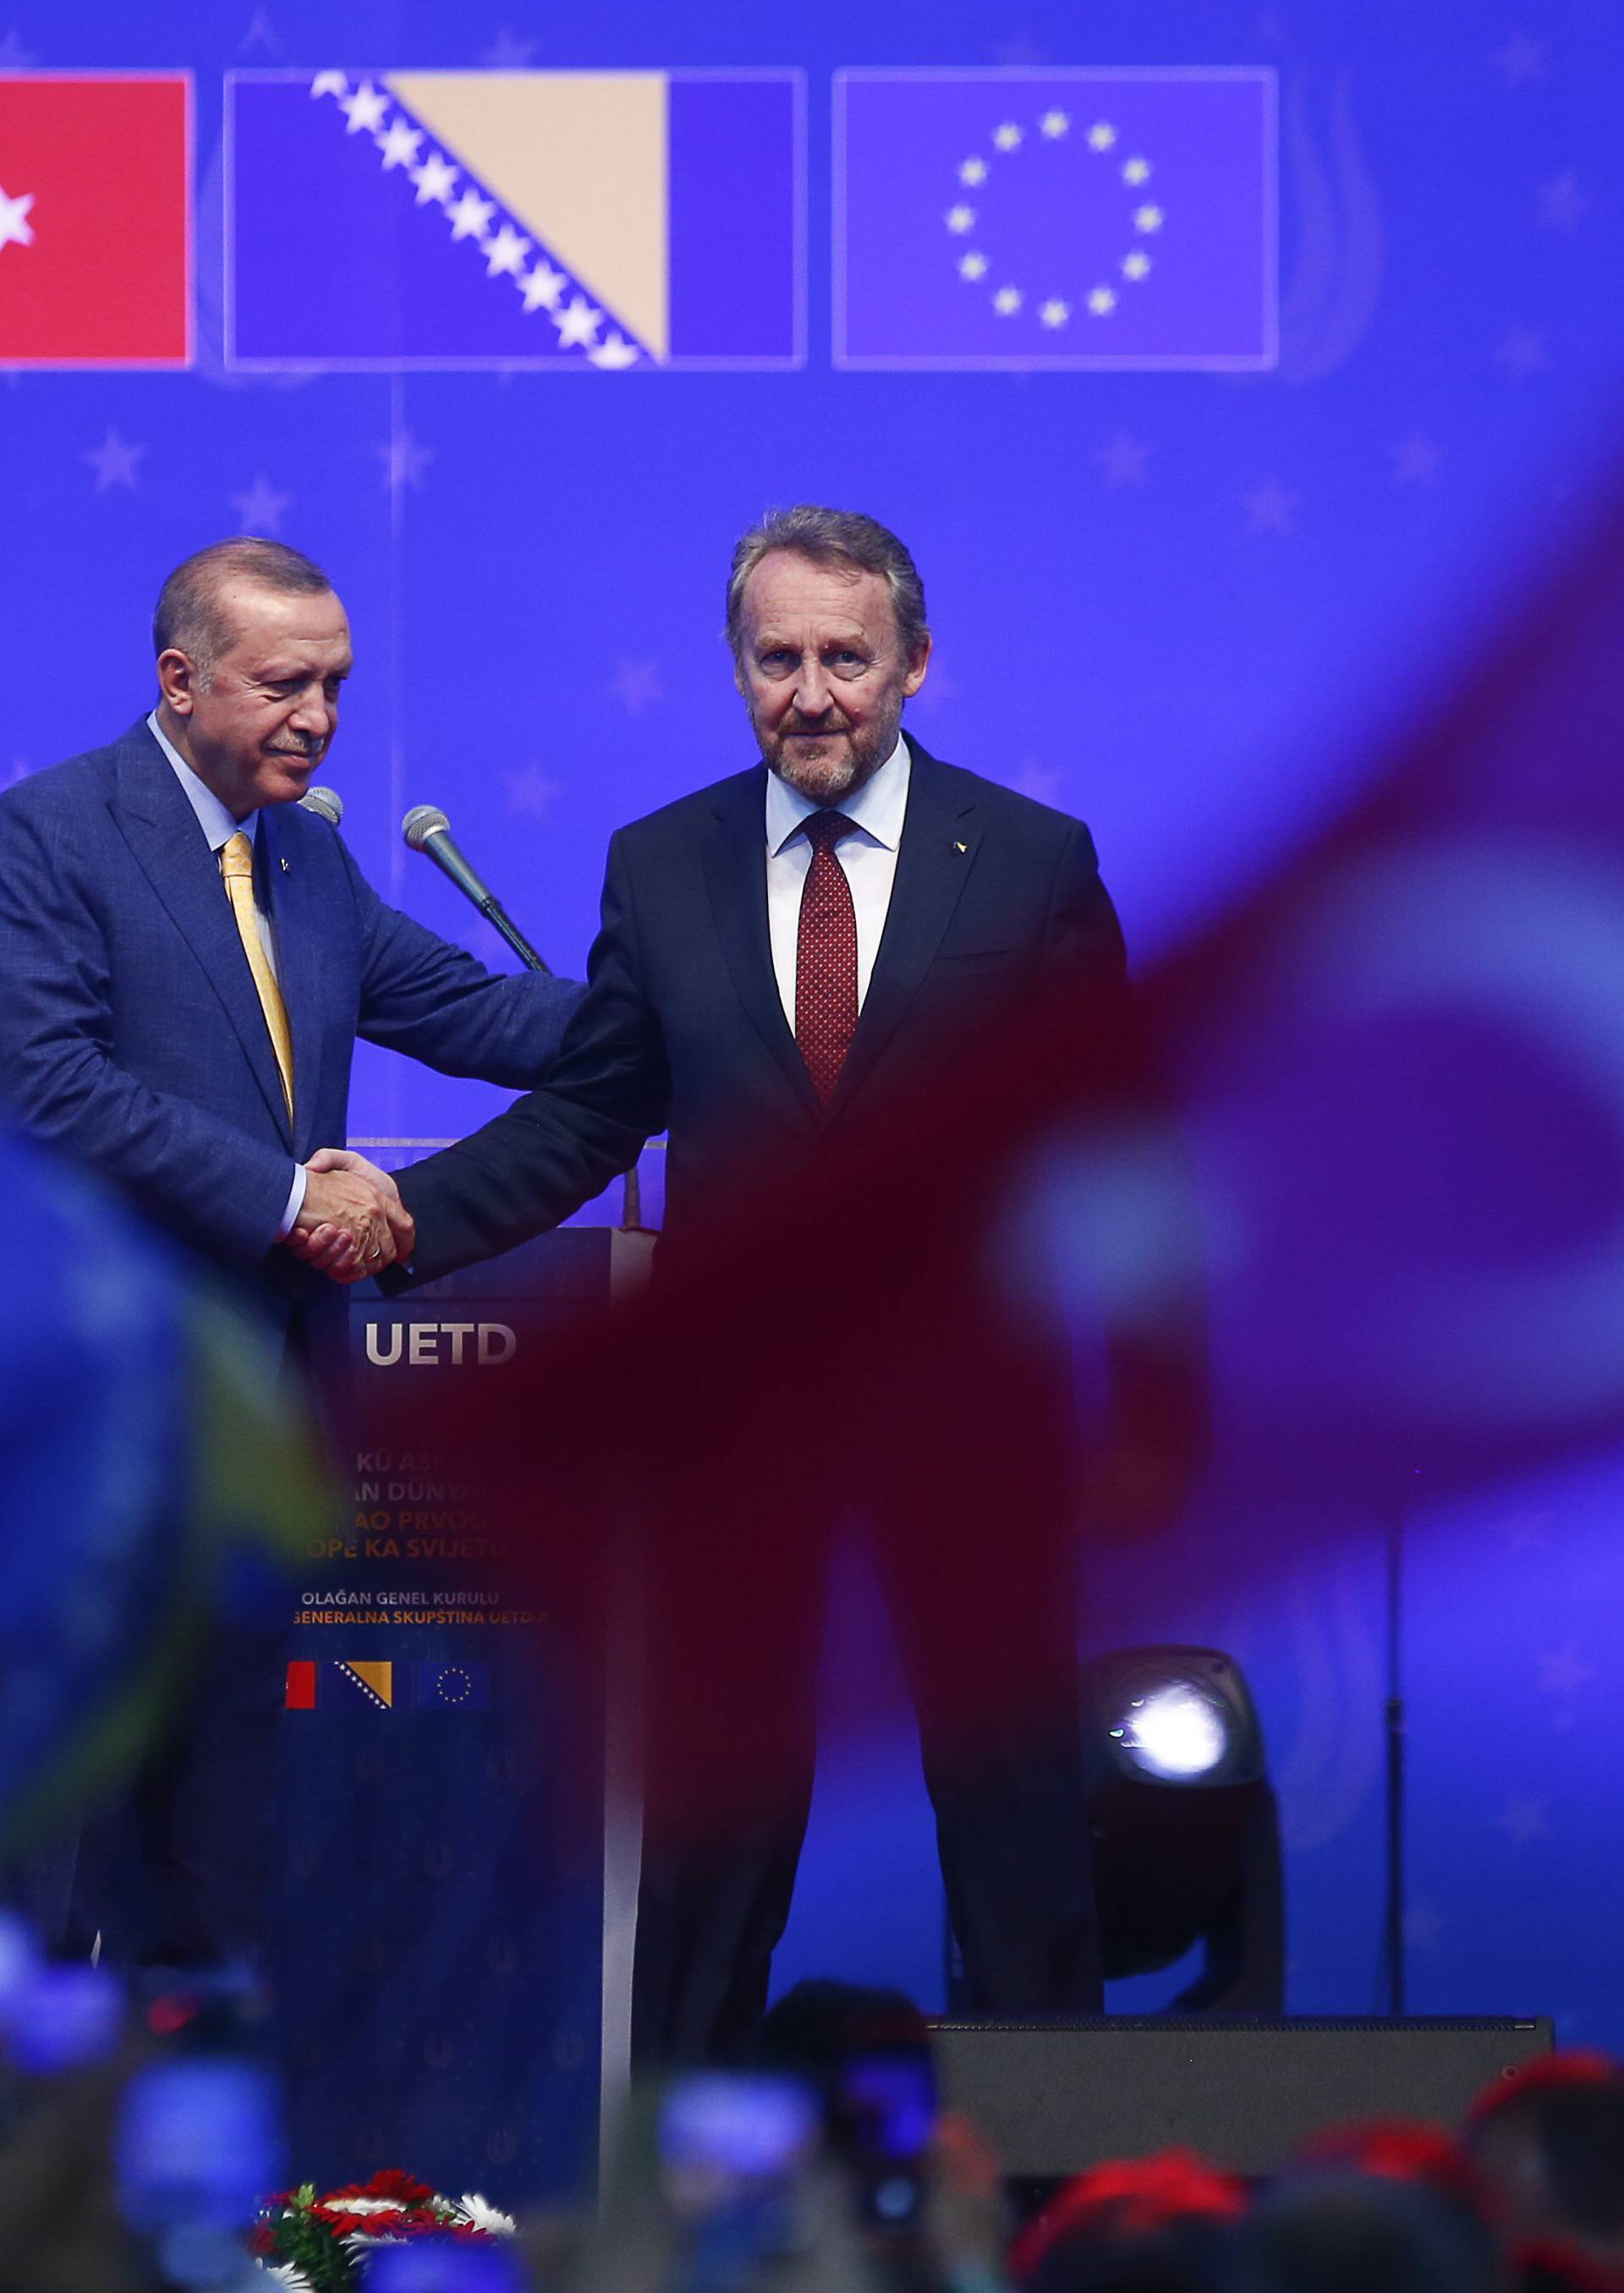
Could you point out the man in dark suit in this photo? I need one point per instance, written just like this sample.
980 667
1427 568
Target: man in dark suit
778 952
186 958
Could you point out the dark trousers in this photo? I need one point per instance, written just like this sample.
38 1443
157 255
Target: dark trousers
175 1869
984 1613
176 1872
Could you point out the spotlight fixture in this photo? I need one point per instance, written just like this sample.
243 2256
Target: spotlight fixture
1185 1826
1175 1734
1185 1829
1173 1715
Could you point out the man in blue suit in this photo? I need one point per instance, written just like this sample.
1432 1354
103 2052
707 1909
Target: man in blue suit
186 958
778 952
139 1023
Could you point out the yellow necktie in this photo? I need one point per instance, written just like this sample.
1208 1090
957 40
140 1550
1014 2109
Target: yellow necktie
237 867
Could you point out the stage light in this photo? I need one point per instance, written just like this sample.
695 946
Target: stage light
1180 1717
1179 1734
1185 1829
1184 1824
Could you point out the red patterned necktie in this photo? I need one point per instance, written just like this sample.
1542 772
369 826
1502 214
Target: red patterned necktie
826 957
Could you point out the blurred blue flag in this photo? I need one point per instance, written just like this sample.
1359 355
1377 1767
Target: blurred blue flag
1060 218
583 219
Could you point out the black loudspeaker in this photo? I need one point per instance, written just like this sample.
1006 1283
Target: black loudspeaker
1053 2097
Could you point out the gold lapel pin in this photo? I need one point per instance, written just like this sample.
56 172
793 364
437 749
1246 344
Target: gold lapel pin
956 846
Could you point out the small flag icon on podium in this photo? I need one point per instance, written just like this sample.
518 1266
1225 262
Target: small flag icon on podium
452 1687
367 1682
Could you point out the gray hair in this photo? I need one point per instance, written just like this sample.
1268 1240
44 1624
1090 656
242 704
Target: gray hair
189 617
832 537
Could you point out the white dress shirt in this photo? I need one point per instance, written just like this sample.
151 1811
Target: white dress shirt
218 824
867 853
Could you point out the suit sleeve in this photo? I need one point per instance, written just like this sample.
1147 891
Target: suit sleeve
530 1168
439 1004
183 1165
1083 940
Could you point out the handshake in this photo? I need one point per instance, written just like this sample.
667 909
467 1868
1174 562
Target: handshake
351 1222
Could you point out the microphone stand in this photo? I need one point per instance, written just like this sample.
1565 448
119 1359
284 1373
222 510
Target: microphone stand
1395 1728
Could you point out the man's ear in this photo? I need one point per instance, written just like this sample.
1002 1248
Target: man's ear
917 667
178 680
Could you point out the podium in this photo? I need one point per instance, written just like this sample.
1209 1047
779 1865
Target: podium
456 1907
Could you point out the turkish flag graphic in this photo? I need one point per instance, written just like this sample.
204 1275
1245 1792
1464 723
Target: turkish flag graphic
95 219
300 1692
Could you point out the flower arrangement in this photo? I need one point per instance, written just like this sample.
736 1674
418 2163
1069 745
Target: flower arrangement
314 2244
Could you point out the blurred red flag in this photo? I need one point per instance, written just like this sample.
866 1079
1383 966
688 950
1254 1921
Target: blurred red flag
1391 1184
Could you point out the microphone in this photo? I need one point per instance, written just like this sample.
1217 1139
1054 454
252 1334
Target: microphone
326 803
426 829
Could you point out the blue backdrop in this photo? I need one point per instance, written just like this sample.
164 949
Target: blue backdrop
1185 603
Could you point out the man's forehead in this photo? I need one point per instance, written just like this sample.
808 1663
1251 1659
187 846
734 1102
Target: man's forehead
265 621
785 588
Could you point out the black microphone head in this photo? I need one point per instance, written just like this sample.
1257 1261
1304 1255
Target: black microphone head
325 801
422 821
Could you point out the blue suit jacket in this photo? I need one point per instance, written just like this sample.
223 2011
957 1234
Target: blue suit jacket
130 1033
682 1026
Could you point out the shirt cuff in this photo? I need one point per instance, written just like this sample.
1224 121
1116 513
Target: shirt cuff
295 1201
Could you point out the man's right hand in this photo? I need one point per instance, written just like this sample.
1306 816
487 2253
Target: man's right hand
351 1222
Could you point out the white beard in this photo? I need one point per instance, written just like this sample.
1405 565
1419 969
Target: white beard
826 780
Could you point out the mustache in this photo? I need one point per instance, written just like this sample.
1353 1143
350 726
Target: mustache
805 728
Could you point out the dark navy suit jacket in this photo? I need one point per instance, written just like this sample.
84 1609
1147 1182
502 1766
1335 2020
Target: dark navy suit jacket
131 1033
682 1027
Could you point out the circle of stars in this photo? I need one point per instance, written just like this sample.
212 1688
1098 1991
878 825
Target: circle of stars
962 217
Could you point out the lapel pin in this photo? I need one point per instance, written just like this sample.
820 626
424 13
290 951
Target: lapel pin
956 846
286 870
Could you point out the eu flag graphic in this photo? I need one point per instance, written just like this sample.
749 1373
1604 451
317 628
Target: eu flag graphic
1067 218
591 221
448 1687
95 219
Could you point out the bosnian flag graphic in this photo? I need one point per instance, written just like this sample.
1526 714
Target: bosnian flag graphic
593 220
